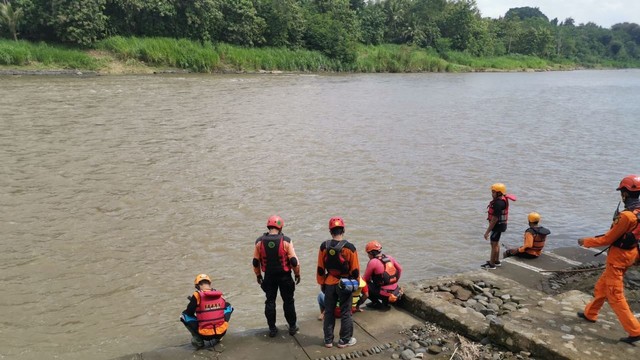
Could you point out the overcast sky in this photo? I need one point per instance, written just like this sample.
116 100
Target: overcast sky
602 12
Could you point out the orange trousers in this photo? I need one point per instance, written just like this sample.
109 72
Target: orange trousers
610 287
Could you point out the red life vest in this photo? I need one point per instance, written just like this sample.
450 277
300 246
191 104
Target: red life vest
630 239
210 313
274 257
505 213
334 262
390 274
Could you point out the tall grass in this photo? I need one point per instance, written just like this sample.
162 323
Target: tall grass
507 62
270 59
24 53
178 53
397 58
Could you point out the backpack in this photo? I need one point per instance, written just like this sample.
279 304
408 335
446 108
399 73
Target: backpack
630 240
334 262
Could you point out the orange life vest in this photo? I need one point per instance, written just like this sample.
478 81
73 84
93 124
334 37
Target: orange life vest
274 257
630 239
539 237
390 274
210 312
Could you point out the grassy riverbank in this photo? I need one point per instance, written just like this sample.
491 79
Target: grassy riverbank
119 55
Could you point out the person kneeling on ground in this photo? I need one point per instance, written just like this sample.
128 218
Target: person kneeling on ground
382 275
208 313
359 297
534 239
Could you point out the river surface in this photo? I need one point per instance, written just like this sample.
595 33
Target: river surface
116 191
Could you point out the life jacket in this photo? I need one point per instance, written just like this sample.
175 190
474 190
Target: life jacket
390 274
504 217
539 237
210 313
630 239
274 257
334 262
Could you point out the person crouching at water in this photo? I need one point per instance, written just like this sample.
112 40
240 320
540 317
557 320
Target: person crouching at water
498 214
208 313
359 297
622 239
382 275
534 239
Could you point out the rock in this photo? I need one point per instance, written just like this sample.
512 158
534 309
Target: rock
447 296
395 356
463 294
407 354
434 349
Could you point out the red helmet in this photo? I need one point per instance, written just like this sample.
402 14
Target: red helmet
276 222
630 182
373 246
336 222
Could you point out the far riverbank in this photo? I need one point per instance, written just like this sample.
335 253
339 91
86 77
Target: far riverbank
118 55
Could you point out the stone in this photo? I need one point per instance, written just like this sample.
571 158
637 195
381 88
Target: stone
407 354
395 356
445 295
463 294
434 349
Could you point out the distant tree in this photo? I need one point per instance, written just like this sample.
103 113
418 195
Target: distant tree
10 17
372 19
80 22
568 22
332 28
284 19
241 23
523 13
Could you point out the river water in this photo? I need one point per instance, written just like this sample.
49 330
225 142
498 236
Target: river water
116 191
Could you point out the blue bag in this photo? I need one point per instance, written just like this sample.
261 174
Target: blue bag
348 285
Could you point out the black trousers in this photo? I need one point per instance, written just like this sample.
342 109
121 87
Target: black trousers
333 295
270 286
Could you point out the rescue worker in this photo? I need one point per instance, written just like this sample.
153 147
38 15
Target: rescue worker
275 256
622 240
498 214
208 313
534 239
382 275
337 264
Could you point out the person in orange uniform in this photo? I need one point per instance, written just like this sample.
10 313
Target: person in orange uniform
498 214
534 238
275 256
208 313
623 253
337 261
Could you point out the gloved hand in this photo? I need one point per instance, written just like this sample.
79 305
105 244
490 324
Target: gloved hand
297 279
259 278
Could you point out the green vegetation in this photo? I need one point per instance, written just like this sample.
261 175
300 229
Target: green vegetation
23 53
317 35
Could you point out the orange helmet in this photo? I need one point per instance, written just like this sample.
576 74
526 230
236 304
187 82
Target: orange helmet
276 222
533 217
335 222
373 246
630 182
499 187
201 277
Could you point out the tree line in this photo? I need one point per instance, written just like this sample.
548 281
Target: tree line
334 27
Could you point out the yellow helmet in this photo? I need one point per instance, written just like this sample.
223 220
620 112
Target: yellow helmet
533 217
499 187
201 277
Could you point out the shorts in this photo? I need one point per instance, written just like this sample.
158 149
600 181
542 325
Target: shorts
495 236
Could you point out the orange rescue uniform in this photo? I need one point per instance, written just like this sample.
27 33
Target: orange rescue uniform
323 277
610 286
